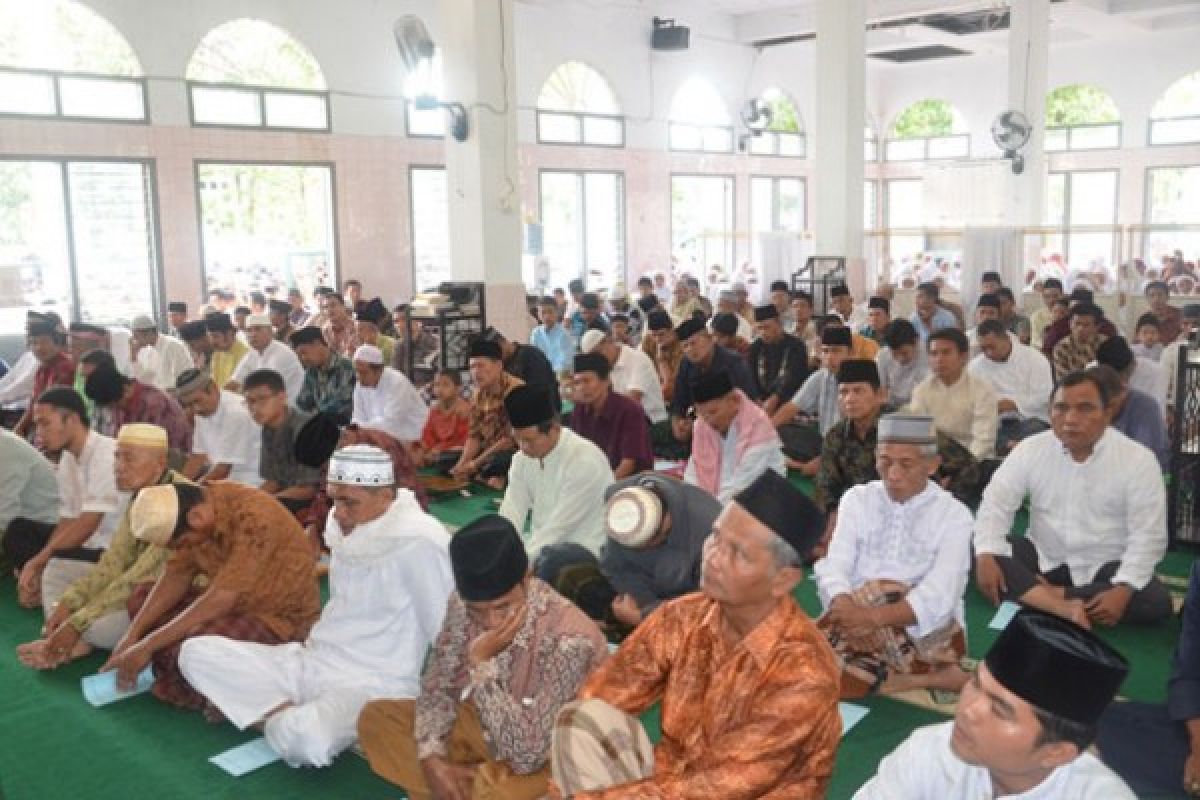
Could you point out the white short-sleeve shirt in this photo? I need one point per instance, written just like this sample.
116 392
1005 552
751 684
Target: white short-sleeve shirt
89 485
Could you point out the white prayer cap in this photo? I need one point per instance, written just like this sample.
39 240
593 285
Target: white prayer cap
361 465
369 354
633 516
590 339
907 429
154 513
258 319
142 322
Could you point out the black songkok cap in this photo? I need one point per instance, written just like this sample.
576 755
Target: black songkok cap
711 386
191 331
835 336
725 323
783 508
482 347
218 322
307 335
839 291
1057 666
1114 352
858 370
988 301
527 406
658 320
766 312
177 307
881 303
488 559
280 307
592 362
689 328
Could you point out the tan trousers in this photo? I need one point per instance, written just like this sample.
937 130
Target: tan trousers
385 732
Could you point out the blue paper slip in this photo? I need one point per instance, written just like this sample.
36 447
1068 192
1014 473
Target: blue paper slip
101 689
1004 615
851 715
246 757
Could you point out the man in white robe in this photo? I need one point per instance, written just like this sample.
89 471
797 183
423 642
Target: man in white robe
389 581
226 442
1023 380
266 352
1022 726
158 359
385 399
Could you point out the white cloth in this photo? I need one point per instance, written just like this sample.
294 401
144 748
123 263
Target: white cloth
16 386
89 485
1026 378
564 492
737 475
393 406
279 357
1151 378
965 411
924 543
119 338
900 379
634 371
1112 507
389 580
230 436
924 767
163 363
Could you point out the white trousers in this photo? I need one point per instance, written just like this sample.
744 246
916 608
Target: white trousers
246 681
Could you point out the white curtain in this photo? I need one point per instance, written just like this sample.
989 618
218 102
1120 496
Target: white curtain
991 250
782 254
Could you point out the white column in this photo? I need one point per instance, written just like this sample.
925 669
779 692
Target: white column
1028 56
838 147
481 173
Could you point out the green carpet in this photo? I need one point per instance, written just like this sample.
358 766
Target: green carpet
57 746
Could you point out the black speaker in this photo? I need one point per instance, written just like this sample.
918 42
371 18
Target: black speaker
669 36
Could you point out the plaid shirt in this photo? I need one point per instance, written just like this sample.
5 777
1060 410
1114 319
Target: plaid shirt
329 388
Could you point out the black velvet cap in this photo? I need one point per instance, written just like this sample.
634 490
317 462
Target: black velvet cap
711 386
177 307
725 323
307 335
485 348
218 322
689 328
1057 666
317 440
488 559
42 324
592 362
988 301
783 508
658 320
590 301
780 286
881 303
836 336
280 307
766 312
527 406
191 331
1114 352
839 291
858 370
371 311
105 385
991 276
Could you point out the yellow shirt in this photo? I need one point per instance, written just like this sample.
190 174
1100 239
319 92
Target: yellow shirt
222 364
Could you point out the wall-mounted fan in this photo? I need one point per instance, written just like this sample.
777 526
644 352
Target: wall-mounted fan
1010 132
416 49
756 116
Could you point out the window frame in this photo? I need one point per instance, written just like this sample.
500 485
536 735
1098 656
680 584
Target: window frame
733 211
412 217
776 138
621 270
701 129
1066 229
580 117
57 76
925 141
262 92
1150 123
1070 131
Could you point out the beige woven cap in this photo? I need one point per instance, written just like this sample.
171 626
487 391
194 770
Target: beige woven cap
633 516
257 320
142 434
590 340
153 514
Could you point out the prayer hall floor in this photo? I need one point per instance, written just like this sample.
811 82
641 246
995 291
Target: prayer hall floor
57 746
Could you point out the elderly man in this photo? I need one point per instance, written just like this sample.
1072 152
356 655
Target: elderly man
226 442
551 338
267 353
902 362
929 316
389 578
633 375
1023 725
489 448
963 406
254 564
1138 372
338 329
527 364
227 348
1022 378
90 504
1078 349
1135 414
283 476
557 479
893 579
778 361
85 602
158 359
611 421
120 401
748 684
371 318
47 340
328 376
384 398
510 654
733 440
1097 522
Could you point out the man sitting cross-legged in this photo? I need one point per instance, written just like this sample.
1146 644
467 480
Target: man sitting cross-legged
1097 521
892 582
748 684
389 577
611 421
510 654
253 555
1023 725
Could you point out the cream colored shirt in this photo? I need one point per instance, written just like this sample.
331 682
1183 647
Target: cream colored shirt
965 411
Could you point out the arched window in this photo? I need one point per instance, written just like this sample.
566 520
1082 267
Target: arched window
247 73
784 135
928 129
699 121
577 106
61 59
1081 117
1176 116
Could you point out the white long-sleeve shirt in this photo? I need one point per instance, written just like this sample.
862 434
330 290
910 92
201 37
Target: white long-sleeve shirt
1112 507
634 371
279 357
163 363
230 436
965 411
564 491
737 475
16 386
393 406
925 767
1152 378
924 543
1026 378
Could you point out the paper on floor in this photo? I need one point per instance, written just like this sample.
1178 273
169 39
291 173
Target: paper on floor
246 757
101 689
